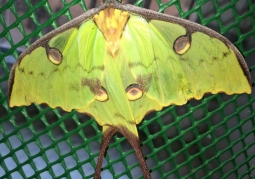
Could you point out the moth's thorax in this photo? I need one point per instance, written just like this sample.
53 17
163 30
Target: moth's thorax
111 23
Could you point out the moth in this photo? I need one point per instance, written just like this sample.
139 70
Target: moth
119 62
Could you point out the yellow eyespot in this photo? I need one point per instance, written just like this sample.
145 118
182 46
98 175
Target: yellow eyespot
182 45
134 92
55 56
102 95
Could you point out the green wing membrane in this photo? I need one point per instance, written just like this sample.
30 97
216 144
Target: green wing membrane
146 56
209 66
69 85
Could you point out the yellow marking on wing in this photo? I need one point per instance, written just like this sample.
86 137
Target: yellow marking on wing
111 23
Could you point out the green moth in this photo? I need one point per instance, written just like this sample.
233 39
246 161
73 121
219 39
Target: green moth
119 62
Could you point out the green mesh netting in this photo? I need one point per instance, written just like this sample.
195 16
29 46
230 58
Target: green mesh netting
210 138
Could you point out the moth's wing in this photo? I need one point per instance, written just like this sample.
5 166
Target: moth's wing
63 69
68 68
176 60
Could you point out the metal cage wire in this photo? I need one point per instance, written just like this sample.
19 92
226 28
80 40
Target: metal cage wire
209 138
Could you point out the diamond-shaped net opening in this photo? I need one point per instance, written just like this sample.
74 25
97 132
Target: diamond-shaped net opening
213 137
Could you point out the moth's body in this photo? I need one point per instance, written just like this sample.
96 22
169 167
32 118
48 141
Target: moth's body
117 66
